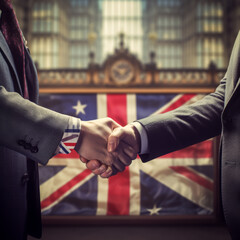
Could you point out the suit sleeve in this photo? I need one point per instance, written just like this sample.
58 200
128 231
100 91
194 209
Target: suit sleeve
28 128
184 126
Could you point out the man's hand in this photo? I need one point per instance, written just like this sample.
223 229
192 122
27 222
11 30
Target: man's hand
92 143
124 144
128 134
122 158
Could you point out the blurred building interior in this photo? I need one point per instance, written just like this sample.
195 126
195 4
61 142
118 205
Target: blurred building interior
181 33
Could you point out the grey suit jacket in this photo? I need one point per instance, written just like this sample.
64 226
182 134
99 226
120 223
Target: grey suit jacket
26 131
217 113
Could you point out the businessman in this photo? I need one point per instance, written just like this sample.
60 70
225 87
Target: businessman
217 113
30 134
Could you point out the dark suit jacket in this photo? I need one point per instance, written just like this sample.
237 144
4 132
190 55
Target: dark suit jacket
26 131
217 113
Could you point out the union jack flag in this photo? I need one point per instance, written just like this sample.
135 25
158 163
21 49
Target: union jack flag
179 183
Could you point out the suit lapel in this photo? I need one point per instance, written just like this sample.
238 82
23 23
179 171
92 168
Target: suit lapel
233 71
6 51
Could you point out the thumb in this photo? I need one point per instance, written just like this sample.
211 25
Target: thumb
114 139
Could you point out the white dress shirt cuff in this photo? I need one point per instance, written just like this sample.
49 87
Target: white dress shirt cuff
144 139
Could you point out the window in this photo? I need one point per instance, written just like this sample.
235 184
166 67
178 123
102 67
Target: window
121 17
209 17
79 56
169 56
79 3
210 50
79 28
169 3
45 17
45 52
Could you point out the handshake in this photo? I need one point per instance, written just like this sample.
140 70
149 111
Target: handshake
106 147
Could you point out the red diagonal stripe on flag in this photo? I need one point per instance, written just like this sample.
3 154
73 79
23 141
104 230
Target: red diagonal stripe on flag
70 144
119 185
73 154
179 102
64 189
193 176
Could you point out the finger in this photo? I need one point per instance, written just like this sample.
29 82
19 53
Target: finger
129 151
125 154
96 167
114 171
119 166
100 170
83 159
124 159
118 163
107 173
93 165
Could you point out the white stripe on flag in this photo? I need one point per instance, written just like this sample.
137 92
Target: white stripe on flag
134 208
102 183
101 105
131 108
158 163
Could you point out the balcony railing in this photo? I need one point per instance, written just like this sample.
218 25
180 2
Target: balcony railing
146 79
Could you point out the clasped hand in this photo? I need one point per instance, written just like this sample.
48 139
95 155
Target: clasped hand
107 148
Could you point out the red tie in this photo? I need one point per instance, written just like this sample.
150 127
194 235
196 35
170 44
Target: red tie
13 35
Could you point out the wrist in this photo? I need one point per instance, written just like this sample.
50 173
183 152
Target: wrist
137 137
81 136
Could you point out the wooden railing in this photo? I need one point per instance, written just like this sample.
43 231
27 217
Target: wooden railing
149 78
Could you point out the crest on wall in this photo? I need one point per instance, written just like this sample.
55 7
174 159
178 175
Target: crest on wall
122 68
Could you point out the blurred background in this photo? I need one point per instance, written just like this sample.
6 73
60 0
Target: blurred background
182 33
69 40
